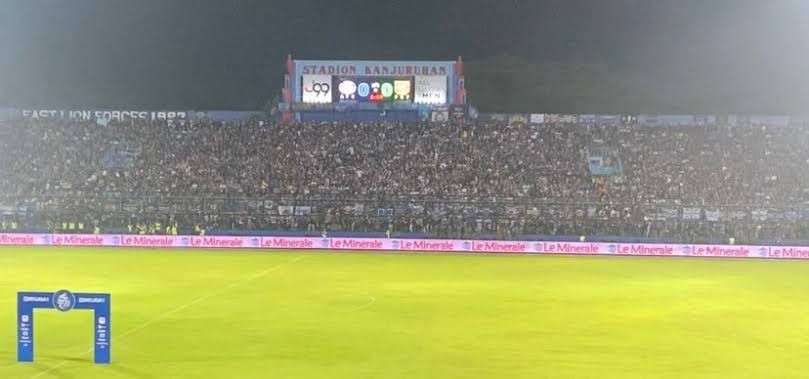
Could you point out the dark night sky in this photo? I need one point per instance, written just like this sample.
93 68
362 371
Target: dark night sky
203 54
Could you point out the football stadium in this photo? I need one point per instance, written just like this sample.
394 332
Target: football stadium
378 219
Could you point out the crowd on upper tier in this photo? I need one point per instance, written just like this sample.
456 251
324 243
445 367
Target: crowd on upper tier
720 165
706 165
336 159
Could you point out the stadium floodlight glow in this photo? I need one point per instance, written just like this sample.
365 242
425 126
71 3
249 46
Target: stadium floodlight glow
63 301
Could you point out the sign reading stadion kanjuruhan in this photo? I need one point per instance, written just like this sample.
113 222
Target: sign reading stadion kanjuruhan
63 301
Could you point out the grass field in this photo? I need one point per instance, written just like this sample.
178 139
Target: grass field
237 314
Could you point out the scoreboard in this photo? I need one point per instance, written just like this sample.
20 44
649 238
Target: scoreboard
377 89
345 89
373 89
382 82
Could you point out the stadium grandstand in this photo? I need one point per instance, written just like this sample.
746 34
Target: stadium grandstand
713 181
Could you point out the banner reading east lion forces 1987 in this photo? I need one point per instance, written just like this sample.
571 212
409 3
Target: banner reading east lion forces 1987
114 115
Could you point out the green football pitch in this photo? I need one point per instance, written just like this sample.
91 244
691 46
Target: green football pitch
248 314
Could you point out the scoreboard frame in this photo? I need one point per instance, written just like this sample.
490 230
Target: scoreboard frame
293 92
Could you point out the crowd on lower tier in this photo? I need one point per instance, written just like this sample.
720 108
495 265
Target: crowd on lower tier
73 168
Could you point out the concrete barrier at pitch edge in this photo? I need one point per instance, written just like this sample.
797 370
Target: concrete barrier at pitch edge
396 244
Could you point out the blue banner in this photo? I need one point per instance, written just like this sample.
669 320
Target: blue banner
675 120
769 120
587 118
608 119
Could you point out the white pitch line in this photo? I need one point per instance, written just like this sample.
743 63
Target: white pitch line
183 307
371 301
206 297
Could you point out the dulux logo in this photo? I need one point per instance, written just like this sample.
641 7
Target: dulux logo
612 248
395 244
255 242
64 300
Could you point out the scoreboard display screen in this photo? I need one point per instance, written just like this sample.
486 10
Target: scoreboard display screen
372 89
325 89
357 84
316 89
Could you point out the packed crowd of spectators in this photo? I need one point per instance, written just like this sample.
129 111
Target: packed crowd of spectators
432 176
259 159
713 165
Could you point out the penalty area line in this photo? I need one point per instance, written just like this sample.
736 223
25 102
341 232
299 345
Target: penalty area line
183 307
208 296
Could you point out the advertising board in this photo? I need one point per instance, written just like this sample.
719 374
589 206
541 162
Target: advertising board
316 89
372 89
413 245
431 89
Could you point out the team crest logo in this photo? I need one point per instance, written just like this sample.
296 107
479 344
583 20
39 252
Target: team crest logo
466 245
686 250
763 251
116 240
255 242
324 243
64 300
395 244
538 247
46 239
185 241
612 248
